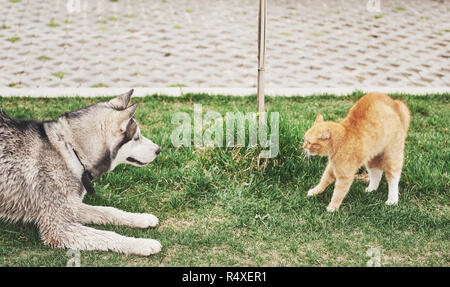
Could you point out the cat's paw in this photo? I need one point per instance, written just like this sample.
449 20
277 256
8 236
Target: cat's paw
369 189
391 202
313 192
332 208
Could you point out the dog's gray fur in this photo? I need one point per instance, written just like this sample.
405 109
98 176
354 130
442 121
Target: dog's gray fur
42 165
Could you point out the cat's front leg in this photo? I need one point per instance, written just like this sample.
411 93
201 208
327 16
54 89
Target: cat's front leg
341 189
327 178
314 191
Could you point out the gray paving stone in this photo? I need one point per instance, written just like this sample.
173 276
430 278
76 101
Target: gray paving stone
213 43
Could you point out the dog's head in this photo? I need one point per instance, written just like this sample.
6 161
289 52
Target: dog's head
106 135
133 148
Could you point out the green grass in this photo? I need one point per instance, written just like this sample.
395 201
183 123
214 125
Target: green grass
13 39
99 85
14 85
59 75
221 207
43 58
52 24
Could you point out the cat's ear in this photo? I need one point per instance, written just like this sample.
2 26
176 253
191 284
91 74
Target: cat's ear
325 135
319 118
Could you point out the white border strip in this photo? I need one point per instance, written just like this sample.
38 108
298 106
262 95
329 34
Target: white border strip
179 91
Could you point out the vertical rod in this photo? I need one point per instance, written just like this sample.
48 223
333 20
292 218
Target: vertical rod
261 53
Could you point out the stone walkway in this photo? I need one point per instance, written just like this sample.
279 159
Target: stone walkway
213 43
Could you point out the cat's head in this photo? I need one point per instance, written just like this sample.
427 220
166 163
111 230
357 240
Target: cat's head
318 138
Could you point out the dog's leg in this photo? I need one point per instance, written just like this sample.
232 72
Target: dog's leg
109 215
59 228
76 236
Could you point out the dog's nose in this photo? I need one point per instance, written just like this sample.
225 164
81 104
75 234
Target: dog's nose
158 151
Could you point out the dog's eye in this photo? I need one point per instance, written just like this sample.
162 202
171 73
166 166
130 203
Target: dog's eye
136 138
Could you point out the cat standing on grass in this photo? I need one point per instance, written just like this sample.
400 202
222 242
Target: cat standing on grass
373 133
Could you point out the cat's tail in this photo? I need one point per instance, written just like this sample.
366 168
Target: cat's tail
403 112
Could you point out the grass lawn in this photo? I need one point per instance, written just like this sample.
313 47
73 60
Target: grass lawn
221 207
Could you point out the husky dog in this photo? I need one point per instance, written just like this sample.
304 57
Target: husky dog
46 168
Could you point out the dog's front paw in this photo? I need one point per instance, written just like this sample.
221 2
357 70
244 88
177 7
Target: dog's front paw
149 247
145 220
142 247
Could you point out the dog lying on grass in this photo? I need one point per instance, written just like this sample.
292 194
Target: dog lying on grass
46 169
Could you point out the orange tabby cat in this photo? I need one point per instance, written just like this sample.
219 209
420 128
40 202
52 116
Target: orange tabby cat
373 133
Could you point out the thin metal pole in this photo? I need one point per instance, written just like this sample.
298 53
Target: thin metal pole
261 54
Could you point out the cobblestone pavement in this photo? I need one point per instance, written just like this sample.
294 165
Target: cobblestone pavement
213 43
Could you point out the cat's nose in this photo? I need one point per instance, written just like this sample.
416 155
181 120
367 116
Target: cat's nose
158 151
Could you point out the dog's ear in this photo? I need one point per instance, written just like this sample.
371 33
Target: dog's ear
131 110
126 115
122 101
